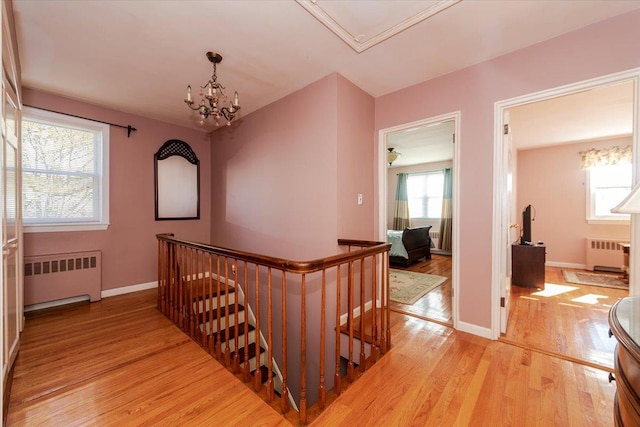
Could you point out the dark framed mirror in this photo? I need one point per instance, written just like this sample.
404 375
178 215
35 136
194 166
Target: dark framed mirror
177 181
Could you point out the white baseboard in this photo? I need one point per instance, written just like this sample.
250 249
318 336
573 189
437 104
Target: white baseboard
356 311
128 289
56 303
474 329
565 265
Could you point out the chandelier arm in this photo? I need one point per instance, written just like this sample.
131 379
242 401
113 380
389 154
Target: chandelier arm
228 114
191 105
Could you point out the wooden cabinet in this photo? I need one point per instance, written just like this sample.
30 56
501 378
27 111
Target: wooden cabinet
624 321
527 265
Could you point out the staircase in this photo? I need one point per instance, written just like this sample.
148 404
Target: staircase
228 328
209 292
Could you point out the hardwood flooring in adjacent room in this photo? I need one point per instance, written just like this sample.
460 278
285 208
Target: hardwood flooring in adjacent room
437 304
120 362
566 318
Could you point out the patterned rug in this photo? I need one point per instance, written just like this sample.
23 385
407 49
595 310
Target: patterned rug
594 279
408 287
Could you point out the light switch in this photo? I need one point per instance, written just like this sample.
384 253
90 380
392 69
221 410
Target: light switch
359 198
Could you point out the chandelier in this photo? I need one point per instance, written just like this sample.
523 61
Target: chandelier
392 155
213 96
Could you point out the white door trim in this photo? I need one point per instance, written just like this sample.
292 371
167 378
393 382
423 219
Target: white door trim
499 180
382 192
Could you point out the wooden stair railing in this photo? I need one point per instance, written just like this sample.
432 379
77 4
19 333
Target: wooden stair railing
240 307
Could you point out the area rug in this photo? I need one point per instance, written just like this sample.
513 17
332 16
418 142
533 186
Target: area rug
407 287
594 279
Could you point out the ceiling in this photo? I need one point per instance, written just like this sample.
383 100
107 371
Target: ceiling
139 56
600 113
425 144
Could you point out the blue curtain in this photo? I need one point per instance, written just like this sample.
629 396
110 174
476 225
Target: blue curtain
446 228
401 214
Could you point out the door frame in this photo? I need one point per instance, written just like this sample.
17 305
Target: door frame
382 192
500 204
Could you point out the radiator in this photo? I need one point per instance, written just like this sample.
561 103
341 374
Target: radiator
58 276
435 238
604 254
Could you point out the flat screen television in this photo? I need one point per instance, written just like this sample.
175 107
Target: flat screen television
525 237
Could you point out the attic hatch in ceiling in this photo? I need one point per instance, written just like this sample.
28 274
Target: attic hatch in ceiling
363 24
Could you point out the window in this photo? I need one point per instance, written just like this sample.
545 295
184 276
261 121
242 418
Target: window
65 165
608 185
424 191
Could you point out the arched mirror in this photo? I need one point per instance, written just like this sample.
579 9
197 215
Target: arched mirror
177 179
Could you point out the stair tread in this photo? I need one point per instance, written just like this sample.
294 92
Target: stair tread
214 292
253 349
224 311
232 332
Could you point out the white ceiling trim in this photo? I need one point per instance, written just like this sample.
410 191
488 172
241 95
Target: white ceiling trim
358 42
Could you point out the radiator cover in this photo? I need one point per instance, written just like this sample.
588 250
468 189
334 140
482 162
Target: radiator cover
57 276
604 254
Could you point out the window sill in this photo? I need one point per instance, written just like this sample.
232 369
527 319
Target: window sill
55 228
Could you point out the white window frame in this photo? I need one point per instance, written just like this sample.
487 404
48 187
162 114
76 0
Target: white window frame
102 170
431 172
591 217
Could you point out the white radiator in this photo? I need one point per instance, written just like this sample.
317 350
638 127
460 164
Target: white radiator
58 276
604 254
435 237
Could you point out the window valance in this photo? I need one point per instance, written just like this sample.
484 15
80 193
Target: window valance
606 156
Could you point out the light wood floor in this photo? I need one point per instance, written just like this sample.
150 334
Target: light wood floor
569 319
565 318
435 305
120 362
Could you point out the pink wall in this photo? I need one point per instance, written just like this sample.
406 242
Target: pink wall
129 247
355 162
604 48
284 184
274 177
552 180
285 178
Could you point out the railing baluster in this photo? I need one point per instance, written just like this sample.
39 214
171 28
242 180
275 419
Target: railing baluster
236 316
257 377
160 287
208 311
181 286
303 350
172 283
285 390
218 310
336 376
374 307
387 344
269 338
202 320
247 367
323 319
188 305
362 315
227 315
350 321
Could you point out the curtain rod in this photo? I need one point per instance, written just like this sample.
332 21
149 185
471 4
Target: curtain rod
129 128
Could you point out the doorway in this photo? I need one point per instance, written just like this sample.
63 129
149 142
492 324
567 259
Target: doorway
388 138
500 264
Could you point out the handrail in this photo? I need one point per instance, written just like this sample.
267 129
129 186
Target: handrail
300 267
228 301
